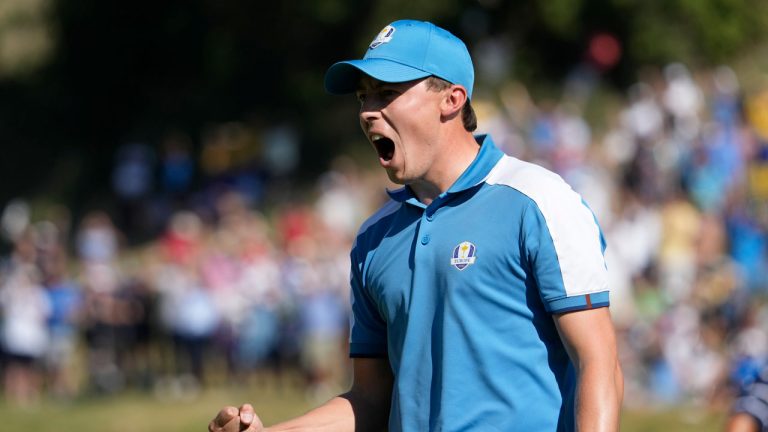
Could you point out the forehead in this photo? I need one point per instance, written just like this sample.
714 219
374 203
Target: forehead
367 82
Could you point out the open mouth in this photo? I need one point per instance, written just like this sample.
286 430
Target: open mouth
385 147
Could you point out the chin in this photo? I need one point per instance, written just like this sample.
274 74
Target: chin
394 178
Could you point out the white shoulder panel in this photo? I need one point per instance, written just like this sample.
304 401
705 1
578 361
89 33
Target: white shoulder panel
572 225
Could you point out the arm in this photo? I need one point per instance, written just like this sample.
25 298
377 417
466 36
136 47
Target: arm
364 408
591 343
749 411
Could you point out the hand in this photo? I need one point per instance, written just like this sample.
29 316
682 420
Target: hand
230 419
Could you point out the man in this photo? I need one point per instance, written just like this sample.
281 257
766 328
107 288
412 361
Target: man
479 290
749 412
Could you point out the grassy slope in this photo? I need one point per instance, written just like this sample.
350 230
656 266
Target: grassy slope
133 412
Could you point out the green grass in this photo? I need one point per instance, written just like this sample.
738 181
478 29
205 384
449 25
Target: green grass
142 412
677 419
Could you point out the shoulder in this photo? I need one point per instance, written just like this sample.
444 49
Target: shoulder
530 179
552 196
565 213
379 219
389 208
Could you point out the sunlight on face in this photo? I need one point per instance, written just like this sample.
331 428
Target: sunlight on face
400 120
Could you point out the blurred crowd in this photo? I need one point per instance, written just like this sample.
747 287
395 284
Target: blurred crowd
228 286
678 179
222 295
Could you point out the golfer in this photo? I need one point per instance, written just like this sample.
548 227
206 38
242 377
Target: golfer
479 291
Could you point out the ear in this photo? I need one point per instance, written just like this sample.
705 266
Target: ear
453 100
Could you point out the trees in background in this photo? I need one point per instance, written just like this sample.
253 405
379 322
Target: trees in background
80 79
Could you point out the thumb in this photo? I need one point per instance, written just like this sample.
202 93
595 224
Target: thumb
249 421
246 414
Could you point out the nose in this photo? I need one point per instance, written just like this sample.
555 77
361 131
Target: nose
369 111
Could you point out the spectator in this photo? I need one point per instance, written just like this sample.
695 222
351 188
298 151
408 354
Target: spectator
64 324
749 412
25 310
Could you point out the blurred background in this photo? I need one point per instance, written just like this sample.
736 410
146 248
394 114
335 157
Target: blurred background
178 194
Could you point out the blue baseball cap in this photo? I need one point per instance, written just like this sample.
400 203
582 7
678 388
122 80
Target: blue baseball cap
406 50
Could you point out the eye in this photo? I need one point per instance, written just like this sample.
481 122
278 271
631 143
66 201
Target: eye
388 93
360 97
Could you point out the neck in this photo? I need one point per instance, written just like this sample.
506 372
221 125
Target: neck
456 154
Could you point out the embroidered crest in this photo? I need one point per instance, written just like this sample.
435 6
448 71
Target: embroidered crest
463 255
384 36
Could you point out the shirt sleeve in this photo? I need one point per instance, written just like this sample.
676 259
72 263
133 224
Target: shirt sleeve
368 331
564 247
753 400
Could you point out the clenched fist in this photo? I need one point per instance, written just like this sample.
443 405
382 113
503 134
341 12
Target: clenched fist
231 419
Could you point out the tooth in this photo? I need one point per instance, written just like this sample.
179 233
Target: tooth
375 137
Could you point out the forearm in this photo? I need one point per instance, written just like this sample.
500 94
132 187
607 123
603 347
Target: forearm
598 398
348 412
335 415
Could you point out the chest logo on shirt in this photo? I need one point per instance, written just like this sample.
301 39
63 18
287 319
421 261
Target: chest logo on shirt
464 254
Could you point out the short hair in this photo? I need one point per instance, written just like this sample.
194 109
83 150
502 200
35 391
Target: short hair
468 117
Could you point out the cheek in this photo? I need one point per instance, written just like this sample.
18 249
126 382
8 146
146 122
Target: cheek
361 122
417 122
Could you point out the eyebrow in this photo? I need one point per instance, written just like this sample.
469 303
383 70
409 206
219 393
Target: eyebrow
374 84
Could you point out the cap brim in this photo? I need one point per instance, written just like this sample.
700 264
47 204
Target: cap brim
343 77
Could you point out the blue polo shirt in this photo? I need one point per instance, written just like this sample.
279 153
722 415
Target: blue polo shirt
459 295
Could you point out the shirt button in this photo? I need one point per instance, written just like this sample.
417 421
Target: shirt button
425 239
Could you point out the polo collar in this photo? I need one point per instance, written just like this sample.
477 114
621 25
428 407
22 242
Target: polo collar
475 173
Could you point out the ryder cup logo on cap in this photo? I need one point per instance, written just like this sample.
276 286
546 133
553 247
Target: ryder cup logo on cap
384 36
403 51
463 255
